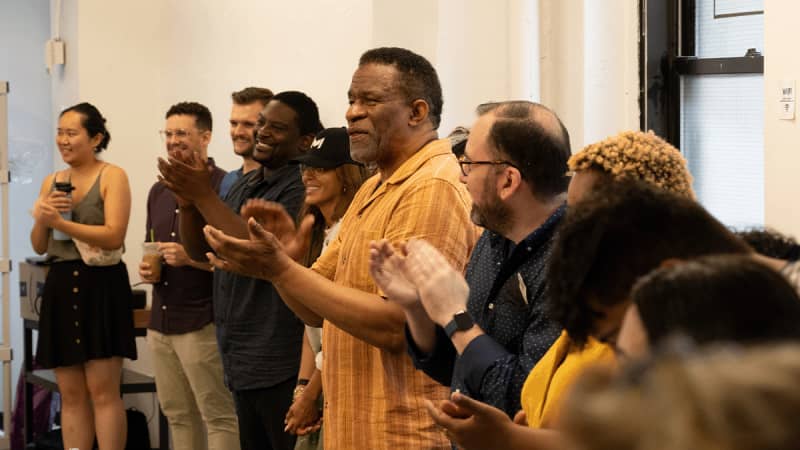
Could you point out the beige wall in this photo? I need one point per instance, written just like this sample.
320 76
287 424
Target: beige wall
781 137
589 66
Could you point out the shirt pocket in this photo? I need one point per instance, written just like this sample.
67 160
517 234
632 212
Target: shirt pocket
353 265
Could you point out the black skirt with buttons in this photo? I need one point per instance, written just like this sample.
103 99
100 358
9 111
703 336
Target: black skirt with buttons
86 314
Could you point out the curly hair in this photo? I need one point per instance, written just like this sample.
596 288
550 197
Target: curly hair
639 156
769 242
618 233
710 299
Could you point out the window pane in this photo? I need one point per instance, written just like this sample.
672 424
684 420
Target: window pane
725 36
722 137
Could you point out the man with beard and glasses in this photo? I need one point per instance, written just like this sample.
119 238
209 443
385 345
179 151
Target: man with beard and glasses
484 345
247 105
181 334
258 336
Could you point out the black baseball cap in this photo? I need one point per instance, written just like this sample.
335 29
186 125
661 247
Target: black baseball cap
330 149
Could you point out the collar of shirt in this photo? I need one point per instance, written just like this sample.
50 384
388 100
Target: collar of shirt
411 165
210 163
285 173
531 241
433 149
515 255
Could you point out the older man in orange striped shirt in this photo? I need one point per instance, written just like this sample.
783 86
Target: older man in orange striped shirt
374 396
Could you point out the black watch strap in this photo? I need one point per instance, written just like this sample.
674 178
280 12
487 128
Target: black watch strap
461 321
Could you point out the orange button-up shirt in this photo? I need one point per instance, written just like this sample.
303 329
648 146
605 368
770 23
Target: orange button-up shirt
374 398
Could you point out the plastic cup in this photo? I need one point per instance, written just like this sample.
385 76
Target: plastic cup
150 255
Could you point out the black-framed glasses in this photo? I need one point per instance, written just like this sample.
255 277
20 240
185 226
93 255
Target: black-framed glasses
466 164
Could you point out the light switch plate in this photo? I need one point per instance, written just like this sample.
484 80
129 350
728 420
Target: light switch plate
787 99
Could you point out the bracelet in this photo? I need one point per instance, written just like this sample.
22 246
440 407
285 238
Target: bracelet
298 391
302 381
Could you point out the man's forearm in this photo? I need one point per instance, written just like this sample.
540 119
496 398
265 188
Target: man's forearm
217 214
191 224
363 315
200 265
422 328
461 339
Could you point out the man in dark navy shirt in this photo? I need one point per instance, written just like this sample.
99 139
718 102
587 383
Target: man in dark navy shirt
484 339
259 337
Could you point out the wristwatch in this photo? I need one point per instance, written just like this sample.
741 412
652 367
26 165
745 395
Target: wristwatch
462 321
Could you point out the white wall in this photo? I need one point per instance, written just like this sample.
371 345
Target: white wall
589 66
487 51
24 27
781 137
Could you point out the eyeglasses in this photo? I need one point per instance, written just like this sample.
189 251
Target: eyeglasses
466 164
177 134
313 170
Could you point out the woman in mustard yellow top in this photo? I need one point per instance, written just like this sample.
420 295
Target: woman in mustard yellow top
551 378
475 425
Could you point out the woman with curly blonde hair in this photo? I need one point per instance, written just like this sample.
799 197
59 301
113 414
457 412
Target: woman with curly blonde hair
630 155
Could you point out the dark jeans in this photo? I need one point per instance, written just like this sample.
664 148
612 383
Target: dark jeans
261 414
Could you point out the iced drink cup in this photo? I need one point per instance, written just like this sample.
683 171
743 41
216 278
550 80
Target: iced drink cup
150 255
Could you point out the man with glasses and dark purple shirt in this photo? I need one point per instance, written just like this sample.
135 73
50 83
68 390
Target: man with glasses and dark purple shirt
181 335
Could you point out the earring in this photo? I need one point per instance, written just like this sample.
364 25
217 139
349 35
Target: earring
344 189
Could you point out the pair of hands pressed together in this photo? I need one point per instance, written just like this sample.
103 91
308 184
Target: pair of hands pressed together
47 210
274 241
473 425
303 416
273 238
415 274
187 176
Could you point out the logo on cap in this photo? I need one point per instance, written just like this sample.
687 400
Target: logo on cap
317 143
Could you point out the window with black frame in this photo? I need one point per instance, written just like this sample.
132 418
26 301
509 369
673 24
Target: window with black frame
703 89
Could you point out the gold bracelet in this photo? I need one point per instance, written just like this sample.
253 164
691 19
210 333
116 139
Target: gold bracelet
298 391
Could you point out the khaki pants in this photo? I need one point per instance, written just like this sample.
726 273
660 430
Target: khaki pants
191 391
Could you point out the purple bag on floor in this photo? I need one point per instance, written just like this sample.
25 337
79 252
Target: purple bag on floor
41 412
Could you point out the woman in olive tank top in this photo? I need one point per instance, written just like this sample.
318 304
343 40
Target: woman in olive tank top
86 322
